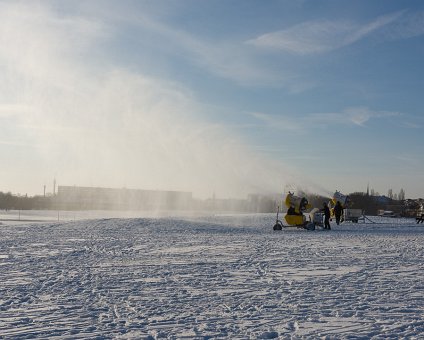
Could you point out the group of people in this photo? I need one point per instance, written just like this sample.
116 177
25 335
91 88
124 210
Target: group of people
338 213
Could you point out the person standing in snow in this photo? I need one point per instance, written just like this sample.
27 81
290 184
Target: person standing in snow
326 211
338 212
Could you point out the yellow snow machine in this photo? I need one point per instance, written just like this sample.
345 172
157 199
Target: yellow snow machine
295 217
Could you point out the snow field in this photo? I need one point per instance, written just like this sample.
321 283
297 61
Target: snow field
224 276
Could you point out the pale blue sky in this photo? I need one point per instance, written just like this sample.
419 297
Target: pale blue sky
218 96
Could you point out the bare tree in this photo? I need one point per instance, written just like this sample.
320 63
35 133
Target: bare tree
401 195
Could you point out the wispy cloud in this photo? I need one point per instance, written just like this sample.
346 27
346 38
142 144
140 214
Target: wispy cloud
350 116
361 115
413 122
279 122
321 36
413 125
226 58
409 25
305 38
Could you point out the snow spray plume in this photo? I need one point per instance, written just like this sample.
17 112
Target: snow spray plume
94 123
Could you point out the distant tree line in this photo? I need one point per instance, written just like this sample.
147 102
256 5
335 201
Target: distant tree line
256 203
371 204
390 194
8 201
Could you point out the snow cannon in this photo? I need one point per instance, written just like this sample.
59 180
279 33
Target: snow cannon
338 197
295 217
295 207
343 199
296 204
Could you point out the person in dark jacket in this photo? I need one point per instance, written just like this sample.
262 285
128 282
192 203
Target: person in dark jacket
326 211
338 212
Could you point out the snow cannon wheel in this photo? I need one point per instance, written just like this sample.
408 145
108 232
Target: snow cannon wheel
278 225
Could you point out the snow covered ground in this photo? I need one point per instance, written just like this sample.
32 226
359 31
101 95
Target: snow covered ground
220 277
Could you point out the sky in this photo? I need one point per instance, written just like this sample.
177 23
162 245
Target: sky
215 97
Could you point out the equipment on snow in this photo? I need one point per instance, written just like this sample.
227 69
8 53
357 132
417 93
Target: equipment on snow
349 214
295 216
